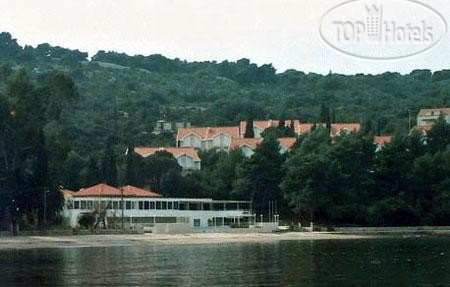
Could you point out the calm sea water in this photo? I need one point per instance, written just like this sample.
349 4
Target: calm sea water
375 262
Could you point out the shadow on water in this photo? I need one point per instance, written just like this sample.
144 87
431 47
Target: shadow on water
377 262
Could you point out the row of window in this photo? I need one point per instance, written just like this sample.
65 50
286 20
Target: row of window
154 205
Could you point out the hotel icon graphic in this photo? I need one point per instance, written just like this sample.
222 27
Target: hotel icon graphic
374 18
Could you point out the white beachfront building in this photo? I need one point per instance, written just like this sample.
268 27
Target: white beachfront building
186 157
139 208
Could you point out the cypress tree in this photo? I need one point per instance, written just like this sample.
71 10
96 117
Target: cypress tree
249 132
130 171
109 168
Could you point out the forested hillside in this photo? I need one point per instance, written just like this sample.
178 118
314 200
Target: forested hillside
80 113
133 92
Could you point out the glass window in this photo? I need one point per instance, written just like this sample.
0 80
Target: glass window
158 205
76 204
196 222
206 206
115 205
218 206
152 205
169 205
90 204
231 206
83 204
164 205
128 204
194 206
141 205
146 205
175 205
182 206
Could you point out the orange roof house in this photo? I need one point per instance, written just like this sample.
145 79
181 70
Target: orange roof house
434 112
206 138
427 117
381 141
175 151
247 145
287 143
206 133
187 157
339 128
250 142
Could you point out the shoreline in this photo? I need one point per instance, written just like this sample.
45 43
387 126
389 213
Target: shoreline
82 241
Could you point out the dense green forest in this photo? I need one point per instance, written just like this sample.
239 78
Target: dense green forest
66 120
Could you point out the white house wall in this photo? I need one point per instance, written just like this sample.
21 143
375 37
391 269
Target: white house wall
192 141
73 215
221 141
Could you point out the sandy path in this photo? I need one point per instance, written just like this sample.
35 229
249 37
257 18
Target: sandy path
29 242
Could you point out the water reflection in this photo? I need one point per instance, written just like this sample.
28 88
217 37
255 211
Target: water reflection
393 262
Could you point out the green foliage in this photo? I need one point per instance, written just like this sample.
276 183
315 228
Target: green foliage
57 108
155 168
87 220
109 167
249 130
348 183
259 177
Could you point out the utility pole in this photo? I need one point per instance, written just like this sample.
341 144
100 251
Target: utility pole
121 203
45 207
409 120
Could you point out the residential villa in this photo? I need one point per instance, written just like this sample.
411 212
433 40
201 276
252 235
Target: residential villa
248 145
187 157
299 128
381 141
142 209
206 138
427 117
224 138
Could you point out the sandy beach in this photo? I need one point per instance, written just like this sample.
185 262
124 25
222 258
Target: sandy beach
30 242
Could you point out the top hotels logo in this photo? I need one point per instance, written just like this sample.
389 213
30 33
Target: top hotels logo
382 29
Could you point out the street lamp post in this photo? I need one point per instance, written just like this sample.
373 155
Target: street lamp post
45 207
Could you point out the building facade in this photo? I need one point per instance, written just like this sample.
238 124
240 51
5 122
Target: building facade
206 138
248 145
139 208
186 157
427 117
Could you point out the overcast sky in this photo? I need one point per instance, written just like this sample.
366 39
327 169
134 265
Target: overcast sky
281 32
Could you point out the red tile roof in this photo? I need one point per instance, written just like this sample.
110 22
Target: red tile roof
287 142
175 151
251 142
382 140
68 192
133 191
427 112
104 190
268 124
207 133
337 128
304 128
425 128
